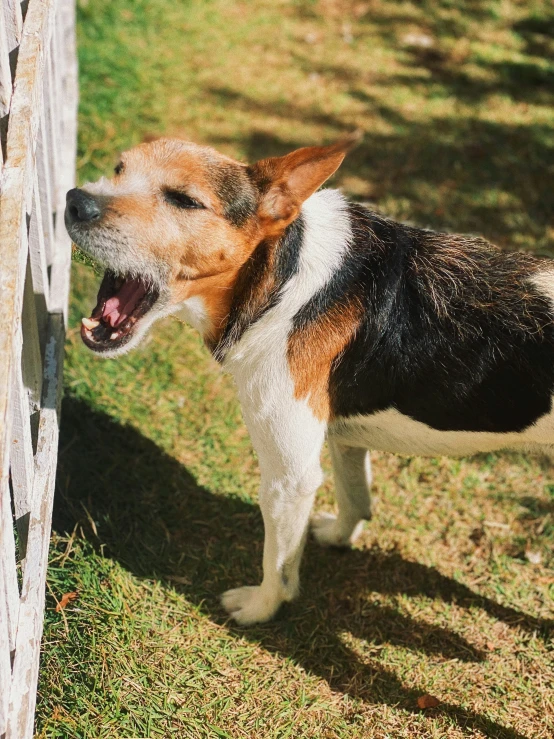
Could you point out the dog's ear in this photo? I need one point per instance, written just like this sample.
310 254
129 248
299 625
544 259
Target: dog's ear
286 182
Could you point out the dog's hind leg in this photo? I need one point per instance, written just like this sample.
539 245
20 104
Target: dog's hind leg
352 473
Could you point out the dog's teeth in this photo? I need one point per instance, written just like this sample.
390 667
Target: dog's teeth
90 323
114 335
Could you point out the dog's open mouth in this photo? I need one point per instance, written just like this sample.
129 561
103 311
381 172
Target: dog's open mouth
121 303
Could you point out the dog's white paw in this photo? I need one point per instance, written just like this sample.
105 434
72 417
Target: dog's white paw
249 605
329 533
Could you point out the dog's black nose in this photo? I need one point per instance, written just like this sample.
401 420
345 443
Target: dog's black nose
81 206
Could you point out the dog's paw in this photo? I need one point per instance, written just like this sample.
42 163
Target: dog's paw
249 605
328 532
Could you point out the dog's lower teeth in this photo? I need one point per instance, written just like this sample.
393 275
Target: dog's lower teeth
114 335
90 323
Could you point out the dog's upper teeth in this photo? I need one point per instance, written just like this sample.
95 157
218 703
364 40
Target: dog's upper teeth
90 323
114 335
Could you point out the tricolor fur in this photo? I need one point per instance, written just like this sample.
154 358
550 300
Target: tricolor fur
335 323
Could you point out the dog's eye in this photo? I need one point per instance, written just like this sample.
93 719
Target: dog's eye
180 199
118 169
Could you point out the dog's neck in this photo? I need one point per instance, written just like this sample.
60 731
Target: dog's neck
273 262
258 283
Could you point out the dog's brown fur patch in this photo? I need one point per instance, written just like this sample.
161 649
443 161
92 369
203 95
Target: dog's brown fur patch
312 350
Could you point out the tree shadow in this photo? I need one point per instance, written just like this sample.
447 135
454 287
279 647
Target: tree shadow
522 81
462 172
151 515
538 34
527 79
468 175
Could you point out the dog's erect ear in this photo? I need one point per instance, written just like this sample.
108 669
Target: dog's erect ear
286 182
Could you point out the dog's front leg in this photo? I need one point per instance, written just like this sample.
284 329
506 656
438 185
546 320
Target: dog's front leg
291 473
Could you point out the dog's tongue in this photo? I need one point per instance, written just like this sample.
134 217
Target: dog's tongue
122 304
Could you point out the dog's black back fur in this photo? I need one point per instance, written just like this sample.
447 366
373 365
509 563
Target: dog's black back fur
453 333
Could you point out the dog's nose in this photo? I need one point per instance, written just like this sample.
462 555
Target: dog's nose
81 206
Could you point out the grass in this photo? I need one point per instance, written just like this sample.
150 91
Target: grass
156 500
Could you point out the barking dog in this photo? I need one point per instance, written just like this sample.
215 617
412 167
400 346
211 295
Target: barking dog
334 322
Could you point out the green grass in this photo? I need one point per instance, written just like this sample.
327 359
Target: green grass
156 501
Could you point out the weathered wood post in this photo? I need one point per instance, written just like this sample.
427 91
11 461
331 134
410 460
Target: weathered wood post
38 95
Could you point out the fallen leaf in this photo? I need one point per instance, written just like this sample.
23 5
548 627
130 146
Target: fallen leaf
418 39
311 38
427 701
497 525
361 9
534 557
65 599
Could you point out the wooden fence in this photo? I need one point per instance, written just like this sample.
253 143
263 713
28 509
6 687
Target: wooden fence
38 94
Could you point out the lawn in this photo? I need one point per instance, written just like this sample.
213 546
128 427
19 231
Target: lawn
450 591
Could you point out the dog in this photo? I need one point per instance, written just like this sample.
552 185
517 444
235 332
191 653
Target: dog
335 322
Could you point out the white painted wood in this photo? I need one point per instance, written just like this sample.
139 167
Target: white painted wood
31 360
37 255
56 63
5 84
14 24
5 73
9 604
27 402
38 168
21 462
51 119
27 647
68 152
43 164
5 662
9 591
22 131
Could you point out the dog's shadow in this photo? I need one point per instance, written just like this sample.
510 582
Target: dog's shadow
155 519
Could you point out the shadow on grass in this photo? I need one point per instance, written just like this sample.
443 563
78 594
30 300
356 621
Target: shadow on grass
466 174
155 519
466 171
527 79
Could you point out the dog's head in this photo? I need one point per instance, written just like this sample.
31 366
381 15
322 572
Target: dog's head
174 226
